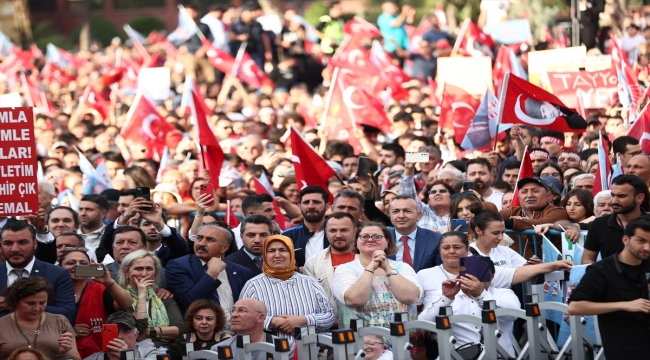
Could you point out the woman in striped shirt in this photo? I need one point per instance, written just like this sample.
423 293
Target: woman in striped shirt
292 299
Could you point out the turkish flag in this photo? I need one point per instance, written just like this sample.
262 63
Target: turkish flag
525 171
247 72
501 66
211 150
315 170
415 33
354 56
527 104
473 41
262 186
146 126
360 28
52 73
36 97
640 130
457 110
617 52
433 88
93 99
392 75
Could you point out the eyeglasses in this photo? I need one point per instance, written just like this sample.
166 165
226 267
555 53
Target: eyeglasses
69 248
366 237
441 191
372 343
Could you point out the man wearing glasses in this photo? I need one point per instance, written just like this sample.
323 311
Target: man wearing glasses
247 318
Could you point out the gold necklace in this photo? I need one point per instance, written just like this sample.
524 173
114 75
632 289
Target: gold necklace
36 332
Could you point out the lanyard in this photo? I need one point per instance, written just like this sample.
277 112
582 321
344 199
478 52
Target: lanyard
621 224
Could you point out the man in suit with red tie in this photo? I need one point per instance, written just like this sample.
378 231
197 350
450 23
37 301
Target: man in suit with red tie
416 246
204 274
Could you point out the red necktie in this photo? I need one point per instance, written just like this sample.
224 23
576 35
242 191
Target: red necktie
406 255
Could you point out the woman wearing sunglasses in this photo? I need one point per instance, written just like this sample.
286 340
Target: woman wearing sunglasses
435 207
95 300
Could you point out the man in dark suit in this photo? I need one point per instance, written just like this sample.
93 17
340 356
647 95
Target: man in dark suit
254 230
19 243
204 275
416 246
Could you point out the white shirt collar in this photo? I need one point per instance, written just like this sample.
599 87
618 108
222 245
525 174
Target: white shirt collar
28 267
411 235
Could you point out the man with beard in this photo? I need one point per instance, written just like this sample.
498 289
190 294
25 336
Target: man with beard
341 231
18 244
629 193
161 240
480 172
309 238
391 154
567 159
92 210
254 230
534 210
615 290
256 204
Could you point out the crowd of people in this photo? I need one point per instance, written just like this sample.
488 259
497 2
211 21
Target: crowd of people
176 269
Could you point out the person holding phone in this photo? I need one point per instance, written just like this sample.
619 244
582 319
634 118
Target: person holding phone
95 300
126 339
443 286
435 213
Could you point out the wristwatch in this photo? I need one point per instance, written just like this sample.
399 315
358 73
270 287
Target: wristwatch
391 273
152 332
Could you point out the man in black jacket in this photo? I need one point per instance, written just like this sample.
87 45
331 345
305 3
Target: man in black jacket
589 16
254 230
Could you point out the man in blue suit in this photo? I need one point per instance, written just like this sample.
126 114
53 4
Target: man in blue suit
204 275
18 244
416 246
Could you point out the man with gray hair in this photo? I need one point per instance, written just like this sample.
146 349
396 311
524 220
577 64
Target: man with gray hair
204 274
46 193
603 203
584 181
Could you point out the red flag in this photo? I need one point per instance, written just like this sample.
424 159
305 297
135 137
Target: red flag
354 56
360 28
260 188
52 73
220 59
146 126
93 99
433 88
617 52
212 153
525 171
581 105
415 33
392 75
349 106
640 130
231 218
36 97
457 110
315 170
473 41
248 71
632 84
527 104
502 65
562 41
545 35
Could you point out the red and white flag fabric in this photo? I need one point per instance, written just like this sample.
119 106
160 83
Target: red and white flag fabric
144 125
603 169
562 40
137 41
53 74
440 15
263 186
211 151
350 106
361 29
457 110
525 171
248 71
36 97
311 168
433 88
617 52
526 104
231 218
354 56
93 99
640 130
473 41
415 33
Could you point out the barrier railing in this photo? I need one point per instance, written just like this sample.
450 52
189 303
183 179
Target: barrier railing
532 233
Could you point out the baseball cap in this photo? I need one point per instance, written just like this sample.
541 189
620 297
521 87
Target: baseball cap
122 317
535 180
59 144
553 183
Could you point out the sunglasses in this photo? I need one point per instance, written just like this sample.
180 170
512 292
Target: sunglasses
441 191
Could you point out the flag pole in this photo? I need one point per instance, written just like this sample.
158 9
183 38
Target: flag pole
199 33
461 35
501 99
228 212
344 42
328 100
238 59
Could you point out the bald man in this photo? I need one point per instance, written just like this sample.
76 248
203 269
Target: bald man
639 165
247 318
250 149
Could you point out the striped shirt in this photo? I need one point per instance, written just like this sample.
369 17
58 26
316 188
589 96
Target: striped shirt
430 218
300 295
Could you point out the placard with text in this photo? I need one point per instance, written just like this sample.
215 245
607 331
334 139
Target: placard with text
18 169
568 247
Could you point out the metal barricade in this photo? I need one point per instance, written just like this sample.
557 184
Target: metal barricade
530 232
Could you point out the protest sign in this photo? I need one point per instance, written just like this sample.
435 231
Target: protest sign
10 100
18 175
597 88
568 248
472 74
512 32
155 82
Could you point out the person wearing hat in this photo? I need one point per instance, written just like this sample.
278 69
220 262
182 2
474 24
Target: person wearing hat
127 336
553 143
555 188
534 209
59 149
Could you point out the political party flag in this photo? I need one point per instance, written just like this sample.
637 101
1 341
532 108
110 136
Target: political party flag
186 27
552 289
603 169
457 110
526 104
483 128
640 130
575 275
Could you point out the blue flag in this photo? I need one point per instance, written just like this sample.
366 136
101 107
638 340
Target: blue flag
578 250
577 272
552 289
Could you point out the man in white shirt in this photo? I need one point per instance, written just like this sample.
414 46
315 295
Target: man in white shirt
479 171
492 13
212 19
632 41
